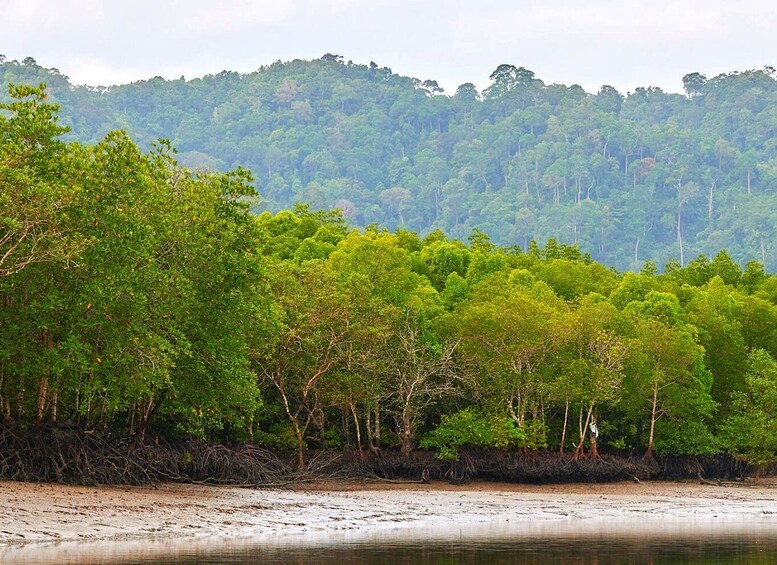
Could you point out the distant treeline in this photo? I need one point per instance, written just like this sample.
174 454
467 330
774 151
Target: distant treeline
648 175
138 297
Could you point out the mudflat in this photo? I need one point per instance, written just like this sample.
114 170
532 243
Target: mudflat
46 513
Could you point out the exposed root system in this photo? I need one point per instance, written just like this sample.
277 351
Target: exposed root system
70 455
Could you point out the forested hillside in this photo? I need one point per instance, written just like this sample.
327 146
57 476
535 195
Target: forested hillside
139 298
648 175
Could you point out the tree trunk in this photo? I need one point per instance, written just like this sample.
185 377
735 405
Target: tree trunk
300 447
636 252
54 401
564 429
583 430
356 426
680 237
405 435
709 203
368 427
649 452
133 411
146 410
43 390
593 451
5 402
377 425
345 427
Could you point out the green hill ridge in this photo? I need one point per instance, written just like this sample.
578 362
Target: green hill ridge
647 175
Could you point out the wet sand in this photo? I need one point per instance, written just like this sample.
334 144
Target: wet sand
42 515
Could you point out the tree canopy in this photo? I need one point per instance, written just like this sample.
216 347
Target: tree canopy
139 296
629 177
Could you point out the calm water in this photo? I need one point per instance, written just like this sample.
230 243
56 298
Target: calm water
733 543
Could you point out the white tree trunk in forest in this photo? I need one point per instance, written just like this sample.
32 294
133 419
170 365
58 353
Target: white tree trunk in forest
680 236
352 406
653 411
709 202
564 429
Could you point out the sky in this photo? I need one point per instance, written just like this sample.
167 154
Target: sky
622 43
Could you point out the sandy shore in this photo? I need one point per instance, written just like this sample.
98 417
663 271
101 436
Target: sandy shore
35 514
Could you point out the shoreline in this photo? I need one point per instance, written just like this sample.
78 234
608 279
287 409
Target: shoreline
50 516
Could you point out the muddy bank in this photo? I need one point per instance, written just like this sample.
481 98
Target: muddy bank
44 513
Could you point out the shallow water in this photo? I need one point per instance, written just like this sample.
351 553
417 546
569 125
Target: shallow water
600 543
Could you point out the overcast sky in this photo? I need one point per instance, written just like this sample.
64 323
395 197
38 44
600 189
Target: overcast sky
624 43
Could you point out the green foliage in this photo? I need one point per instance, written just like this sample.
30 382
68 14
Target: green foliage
456 290
468 428
111 289
617 175
750 432
139 295
442 258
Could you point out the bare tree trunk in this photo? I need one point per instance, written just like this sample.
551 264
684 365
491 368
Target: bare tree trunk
300 451
680 237
649 452
345 427
593 451
583 429
709 203
299 434
564 429
356 426
78 401
636 252
406 433
54 400
368 427
102 420
43 389
133 410
377 425
146 410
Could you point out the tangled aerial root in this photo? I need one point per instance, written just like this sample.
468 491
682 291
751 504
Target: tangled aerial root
532 467
71 455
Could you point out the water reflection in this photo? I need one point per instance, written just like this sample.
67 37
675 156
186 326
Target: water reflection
574 542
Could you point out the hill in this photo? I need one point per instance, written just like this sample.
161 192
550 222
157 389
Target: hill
648 175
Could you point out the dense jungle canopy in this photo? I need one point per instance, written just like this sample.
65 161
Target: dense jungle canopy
138 296
627 177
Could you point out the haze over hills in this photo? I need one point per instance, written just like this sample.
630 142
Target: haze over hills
648 175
